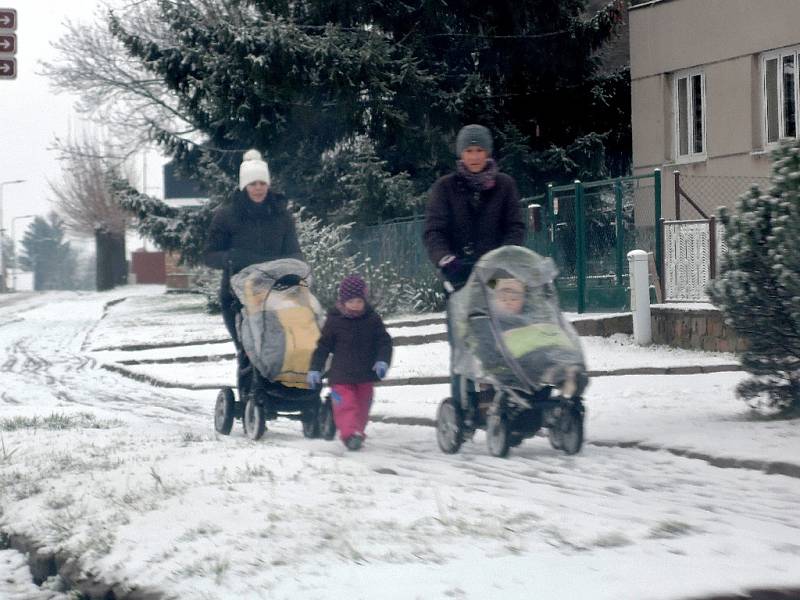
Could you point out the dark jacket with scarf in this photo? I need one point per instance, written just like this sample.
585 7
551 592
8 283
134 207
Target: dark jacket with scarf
469 224
244 232
356 344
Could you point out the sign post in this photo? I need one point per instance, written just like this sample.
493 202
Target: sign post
8 43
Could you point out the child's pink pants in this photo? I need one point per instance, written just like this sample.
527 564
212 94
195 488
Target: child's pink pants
351 404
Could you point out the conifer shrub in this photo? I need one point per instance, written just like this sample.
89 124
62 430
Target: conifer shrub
758 289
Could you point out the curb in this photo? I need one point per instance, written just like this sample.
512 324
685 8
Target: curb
764 466
425 380
603 327
756 594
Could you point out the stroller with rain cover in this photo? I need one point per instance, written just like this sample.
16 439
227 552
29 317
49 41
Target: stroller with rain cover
279 323
520 361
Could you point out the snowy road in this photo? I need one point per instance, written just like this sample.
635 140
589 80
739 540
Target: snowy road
132 480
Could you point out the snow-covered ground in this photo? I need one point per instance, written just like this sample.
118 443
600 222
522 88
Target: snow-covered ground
133 481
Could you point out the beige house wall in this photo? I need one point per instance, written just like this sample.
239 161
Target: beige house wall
725 39
669 35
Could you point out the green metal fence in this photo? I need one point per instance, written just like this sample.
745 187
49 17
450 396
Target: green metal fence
590 227
587 228
399 242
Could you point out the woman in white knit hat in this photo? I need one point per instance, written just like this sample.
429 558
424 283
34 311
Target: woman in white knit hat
255 226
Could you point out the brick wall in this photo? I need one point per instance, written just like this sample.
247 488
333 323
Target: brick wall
697 327
178 277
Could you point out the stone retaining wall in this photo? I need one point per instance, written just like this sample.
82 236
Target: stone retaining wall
695 326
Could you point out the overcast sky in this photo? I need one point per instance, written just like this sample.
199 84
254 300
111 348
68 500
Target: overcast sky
32 115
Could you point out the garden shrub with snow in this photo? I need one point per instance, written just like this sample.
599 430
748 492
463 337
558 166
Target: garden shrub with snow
758 289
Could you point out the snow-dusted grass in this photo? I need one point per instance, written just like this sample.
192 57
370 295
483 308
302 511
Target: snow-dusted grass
155 497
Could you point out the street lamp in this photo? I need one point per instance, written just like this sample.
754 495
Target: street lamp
14 249
2 258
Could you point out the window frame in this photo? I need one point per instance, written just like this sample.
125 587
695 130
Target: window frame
779 55
692 155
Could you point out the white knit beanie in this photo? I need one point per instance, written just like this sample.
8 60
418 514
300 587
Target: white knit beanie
253 168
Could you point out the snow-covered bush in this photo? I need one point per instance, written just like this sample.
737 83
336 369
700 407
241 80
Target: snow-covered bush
207 282
758 289
328 250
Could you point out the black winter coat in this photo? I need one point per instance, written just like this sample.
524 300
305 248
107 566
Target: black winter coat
243 233
469 224
356 344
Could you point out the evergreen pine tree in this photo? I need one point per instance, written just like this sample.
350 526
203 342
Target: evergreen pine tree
300 80
45 252
758 289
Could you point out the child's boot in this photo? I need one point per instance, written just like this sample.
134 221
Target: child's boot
355 441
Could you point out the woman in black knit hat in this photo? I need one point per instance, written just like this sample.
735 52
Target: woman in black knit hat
471 211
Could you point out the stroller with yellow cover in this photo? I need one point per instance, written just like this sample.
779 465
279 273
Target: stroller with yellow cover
517 361
279 324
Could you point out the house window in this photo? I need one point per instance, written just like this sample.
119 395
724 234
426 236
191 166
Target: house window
780 71
690 109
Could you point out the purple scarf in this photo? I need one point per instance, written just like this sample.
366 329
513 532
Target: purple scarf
478 182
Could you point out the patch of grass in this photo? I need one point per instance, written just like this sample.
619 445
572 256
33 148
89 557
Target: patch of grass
5 455
27 489
670 529
215 565
611 540
189 437
164 487
250 472
59 421
202 530
62 521
59 503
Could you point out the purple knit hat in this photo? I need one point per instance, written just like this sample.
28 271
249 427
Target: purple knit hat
351 287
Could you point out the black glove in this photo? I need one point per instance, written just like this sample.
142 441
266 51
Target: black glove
456 271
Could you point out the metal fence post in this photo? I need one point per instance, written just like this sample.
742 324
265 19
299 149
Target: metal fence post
712 247
659 234
580 246
662 278
620 229
551 221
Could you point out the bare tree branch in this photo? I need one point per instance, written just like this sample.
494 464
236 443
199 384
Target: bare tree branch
84 197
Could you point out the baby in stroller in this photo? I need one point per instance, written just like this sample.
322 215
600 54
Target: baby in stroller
520 361
278 323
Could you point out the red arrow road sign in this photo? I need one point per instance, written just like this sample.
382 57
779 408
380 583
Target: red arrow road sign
8 68
8 18
8 43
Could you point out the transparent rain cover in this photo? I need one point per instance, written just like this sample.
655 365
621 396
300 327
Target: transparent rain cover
281 319
507 326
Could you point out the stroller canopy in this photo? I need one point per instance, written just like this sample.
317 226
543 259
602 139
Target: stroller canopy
280 318
254 283
508 329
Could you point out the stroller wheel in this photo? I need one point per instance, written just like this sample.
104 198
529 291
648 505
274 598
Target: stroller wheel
255 422
554 437
515 439
449 427
567 432
498 437
310 421
224 411
327 426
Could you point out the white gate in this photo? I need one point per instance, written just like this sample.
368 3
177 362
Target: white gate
688 258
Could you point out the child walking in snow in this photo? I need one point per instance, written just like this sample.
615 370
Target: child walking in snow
362 350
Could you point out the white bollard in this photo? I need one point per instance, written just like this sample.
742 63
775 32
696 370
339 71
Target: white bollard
640 297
